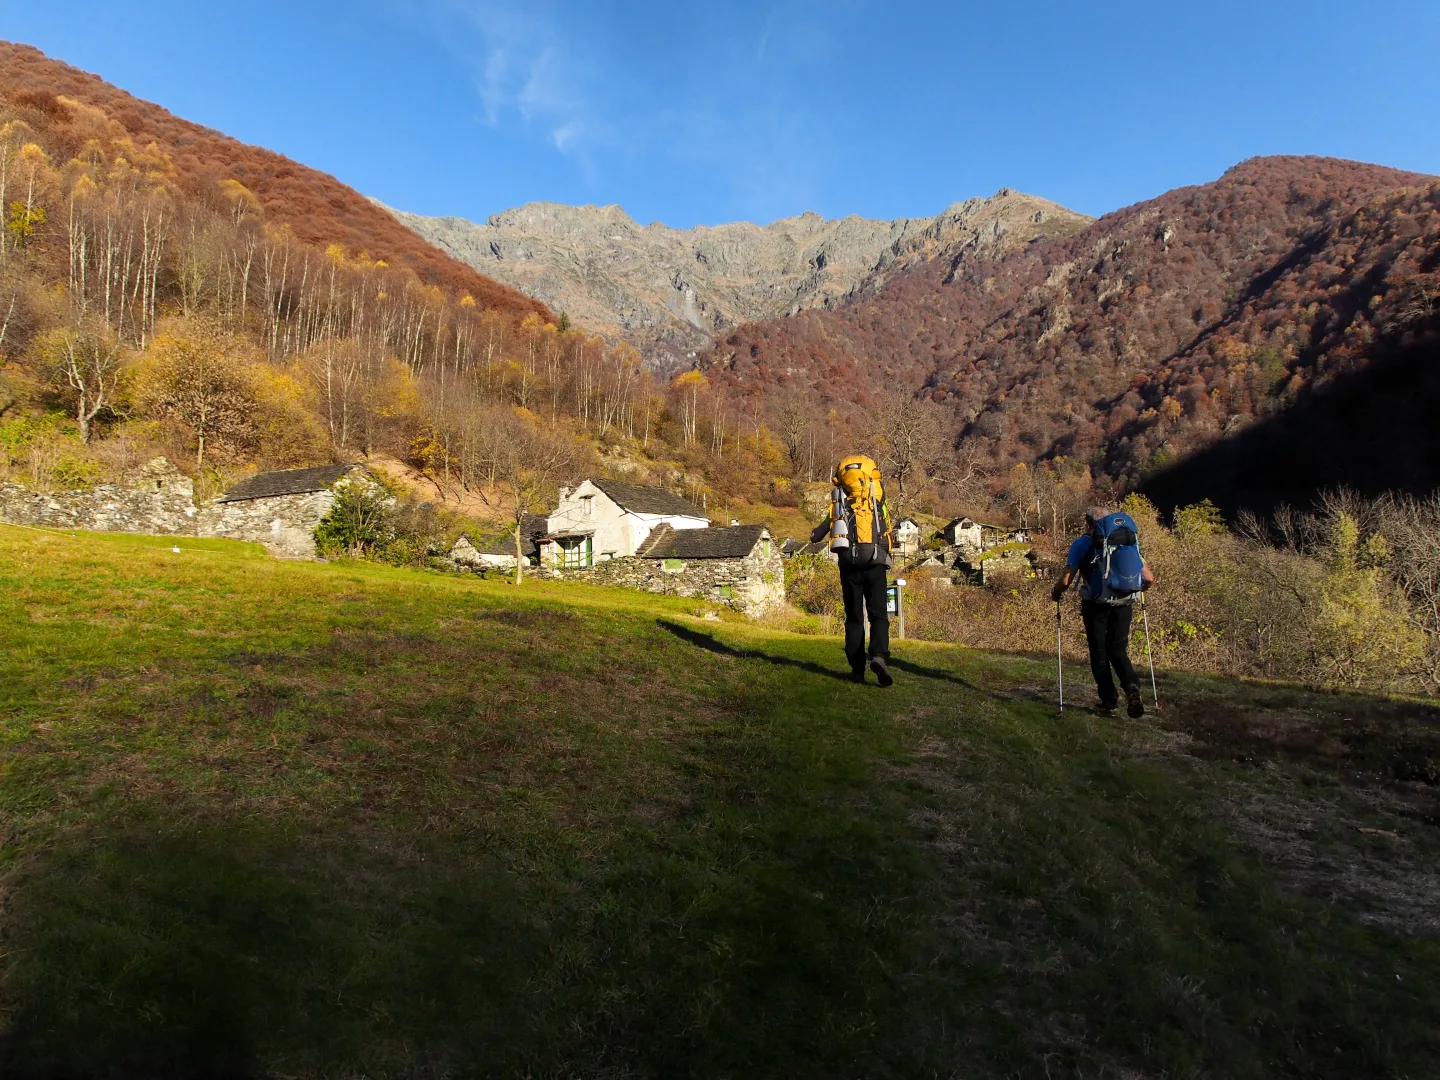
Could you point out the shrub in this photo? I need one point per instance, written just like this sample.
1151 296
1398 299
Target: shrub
419 532
75 473
812 584
366 521
359 523
1323 607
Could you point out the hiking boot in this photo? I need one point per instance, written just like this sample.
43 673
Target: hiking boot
1134 707
881 670
857 675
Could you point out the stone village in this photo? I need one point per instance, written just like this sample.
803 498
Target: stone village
607 532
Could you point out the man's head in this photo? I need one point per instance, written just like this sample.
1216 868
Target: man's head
1094 514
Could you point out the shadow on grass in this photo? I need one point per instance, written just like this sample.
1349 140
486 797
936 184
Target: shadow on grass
710 643
159 948
157 945
910 668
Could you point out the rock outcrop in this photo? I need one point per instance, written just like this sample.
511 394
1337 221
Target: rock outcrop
669 291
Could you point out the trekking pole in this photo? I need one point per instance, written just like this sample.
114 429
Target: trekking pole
1145 617
1059 657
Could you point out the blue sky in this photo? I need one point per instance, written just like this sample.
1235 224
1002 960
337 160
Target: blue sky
697 112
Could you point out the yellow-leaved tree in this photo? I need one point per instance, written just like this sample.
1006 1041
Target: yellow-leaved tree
205 379
1365 634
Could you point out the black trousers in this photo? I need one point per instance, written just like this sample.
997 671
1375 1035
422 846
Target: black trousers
864 592
1107 631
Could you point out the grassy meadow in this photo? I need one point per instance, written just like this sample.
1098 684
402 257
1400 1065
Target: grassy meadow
261 818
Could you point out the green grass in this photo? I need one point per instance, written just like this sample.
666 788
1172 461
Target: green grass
283 819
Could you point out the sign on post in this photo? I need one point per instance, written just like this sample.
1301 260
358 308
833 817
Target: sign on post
895 605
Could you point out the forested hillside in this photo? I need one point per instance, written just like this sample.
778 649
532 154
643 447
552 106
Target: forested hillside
316 208
165 289
1156 332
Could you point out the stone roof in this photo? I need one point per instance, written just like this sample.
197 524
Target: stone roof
725 542
647 500
269 485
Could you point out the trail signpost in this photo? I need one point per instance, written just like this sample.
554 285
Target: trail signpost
895 604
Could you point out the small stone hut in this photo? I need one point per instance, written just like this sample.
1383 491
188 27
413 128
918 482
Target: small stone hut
500 551
791 548
279 509
735 564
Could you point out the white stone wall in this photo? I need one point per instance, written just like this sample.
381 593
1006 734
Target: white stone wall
907 538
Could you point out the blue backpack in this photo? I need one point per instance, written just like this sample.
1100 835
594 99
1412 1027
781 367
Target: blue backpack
1117 557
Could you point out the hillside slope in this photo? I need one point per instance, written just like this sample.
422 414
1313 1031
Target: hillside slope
270 818
668 290
1157 331
319 209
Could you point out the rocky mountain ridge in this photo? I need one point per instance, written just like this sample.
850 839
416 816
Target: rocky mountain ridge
669 291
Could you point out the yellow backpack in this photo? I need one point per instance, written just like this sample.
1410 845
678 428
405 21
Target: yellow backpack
859 524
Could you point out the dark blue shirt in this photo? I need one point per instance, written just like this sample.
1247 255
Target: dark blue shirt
1082 557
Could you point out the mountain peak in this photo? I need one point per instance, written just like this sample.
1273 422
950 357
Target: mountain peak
669 291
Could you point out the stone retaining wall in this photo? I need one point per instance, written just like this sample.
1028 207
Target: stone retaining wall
753 585
161 501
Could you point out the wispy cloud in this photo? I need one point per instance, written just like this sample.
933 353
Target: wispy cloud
765 30
700 100
524 69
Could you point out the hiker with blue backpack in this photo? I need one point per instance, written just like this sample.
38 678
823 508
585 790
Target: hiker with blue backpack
1108 558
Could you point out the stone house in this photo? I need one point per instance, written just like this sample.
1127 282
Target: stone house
979 554
609 519
737 565
907 537
278 509
977 536
966 533
1007 561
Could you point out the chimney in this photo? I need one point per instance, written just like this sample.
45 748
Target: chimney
564 493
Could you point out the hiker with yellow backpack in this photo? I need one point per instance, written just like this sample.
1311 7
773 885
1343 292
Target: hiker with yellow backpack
859 530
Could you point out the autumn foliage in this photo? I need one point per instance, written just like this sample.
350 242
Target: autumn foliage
74 108
1160 330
